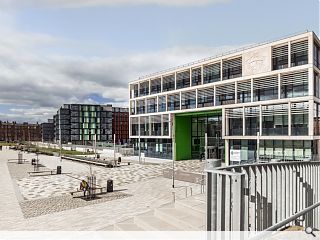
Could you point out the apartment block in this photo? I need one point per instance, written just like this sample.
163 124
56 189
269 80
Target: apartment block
19 132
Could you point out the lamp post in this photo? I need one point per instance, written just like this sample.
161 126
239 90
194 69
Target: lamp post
173 150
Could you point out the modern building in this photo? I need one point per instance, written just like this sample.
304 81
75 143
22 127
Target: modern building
259 102
120 125
19 132
82 124
47 131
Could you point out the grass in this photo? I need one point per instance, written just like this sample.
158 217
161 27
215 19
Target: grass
7 144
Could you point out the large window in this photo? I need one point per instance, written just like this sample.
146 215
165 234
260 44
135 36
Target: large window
275 120
144 126
168 83
244 91
316 55
294 84
152 105
280 58
173 102
205 97
232 68
265 88
211 73
225 94
132 108
235 121
162 104
247 149
165 125
183 79
155 85
141 106
316 84
188 100
299 53
196 76
134 126
252 120
144 88
155 122
299 118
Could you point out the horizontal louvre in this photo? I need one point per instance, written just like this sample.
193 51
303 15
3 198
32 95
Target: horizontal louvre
225 89
300 108
244 86
196 72
206 92
295 78
174 97
188 95
280 51
144 120
135 120
155 119
273 110
168 79
211 69
234 113
265 82
252 111
232 63
298 47
183 75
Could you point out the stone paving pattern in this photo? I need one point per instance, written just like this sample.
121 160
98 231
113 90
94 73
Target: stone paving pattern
147 188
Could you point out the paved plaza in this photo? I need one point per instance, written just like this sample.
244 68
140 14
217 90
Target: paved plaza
25 200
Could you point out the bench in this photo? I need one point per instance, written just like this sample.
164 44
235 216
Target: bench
45 171
97 188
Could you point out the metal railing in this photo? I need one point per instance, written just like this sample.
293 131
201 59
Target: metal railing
255 197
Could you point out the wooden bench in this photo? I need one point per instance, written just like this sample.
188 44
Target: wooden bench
81 191
45 171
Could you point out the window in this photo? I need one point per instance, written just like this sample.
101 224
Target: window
294 84
232 68
235 121
152 105
132 107
225 94
244 91
141 106
162 104
134 126
155 85
280 57
173 102
188 100
316 85
211 73
168 83
144 88
196 76
144 126
155 122
299 118
183 79
265 88
205 97
316 55
275 120
252 121
165 125
299 53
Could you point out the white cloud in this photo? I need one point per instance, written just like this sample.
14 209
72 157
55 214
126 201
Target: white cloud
92 3
37 83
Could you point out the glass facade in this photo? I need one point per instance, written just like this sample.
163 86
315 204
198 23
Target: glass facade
299 118
294 84
155 85
183 79
168 83
162 103
196 77
156 148
275 120
152 105
144 88
206 97
188 100
173 102
234 121
280 58
265 88
299 53
211 73
252 115
232 68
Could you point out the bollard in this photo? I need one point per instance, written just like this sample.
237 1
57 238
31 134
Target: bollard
58 169
110 185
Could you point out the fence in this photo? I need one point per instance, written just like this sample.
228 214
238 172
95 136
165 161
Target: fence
255 197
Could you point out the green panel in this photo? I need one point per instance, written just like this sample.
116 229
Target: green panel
183 137
191 114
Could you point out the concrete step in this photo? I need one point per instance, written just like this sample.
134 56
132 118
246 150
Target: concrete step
152 223
192 203
185 218
127 227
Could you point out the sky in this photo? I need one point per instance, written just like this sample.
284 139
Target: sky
54 52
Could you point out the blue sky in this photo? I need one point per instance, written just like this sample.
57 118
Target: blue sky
55 52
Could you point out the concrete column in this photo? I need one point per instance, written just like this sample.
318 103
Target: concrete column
289 52
236 92
311 81
214 95
197 98
161 83
260 120
243 122
311 118
251 89
180 99
201 74
175 80
221 70
190 77
224 122
227 151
